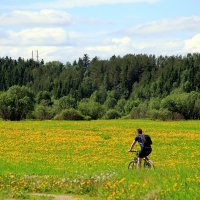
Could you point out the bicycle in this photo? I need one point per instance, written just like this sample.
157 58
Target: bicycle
147 162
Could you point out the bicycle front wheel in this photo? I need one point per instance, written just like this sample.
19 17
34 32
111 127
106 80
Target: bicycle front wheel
132 165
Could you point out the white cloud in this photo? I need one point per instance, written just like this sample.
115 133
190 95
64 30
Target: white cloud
162 47
65 53
36 18
58 44
119 47
26 52
168 25
123 41
157 47
40 37
193 44
86 3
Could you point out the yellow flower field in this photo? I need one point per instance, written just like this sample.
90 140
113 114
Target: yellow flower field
91 157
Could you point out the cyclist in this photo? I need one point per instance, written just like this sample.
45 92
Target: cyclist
145 146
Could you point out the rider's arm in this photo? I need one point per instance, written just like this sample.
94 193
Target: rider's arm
132 145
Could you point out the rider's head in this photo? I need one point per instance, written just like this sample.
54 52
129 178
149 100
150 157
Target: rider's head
139 131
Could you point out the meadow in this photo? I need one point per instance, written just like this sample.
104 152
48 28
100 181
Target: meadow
90 158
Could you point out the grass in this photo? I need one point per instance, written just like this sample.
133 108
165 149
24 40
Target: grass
90 158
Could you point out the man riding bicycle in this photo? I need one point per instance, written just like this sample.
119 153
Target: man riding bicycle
145 144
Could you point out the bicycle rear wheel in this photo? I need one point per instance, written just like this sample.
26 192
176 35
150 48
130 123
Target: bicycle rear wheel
132 165
149 164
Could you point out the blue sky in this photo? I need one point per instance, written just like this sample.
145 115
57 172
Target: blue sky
64 30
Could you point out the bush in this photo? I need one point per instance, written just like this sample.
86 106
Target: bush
112 114
111 100
120 106
66 102
164 115
185 104
140 111
189 105
69 114
153 114
91 108
130 104
88 118
160 114
43 112
170 103
44 98
16 103
155 103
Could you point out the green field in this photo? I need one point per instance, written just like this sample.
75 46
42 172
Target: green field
90 158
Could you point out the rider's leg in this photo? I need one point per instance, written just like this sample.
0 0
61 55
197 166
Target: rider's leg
146 158
139 162
140 157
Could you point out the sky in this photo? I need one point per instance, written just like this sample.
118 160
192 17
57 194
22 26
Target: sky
64 30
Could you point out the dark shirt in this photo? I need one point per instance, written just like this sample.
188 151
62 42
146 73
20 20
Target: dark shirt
140 139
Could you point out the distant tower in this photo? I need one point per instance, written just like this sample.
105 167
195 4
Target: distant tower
37 55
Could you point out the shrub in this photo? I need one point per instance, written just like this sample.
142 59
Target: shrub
88 118
130 104
170 103
66 102
155 103
188 105
16 103
43 112
112 114
111 100
44 98
164 115
69 114
140 111
120 106
91 108
153 114
185 104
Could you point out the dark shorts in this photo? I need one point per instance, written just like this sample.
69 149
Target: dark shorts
145 152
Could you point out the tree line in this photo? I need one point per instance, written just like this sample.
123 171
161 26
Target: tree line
132 86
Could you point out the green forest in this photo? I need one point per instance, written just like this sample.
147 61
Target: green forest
132 86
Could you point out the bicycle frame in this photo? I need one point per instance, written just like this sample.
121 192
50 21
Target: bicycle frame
137 155
133 163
